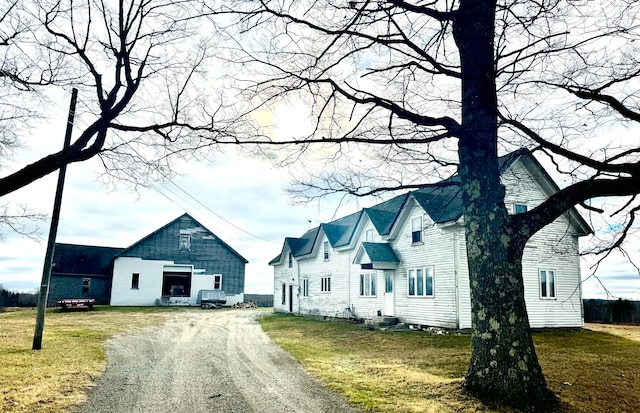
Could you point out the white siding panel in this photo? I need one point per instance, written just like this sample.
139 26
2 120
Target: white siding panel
150 281
436 251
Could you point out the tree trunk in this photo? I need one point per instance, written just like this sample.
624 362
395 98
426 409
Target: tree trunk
504 366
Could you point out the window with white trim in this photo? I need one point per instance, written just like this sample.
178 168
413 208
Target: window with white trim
325 249
217 281
290 259
416 230
284 293
547 284
420 282
368 235
305 287
368 284
325 284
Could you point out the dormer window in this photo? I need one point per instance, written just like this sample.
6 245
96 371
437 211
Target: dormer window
290 260
184 243
325 249
416 230
368 235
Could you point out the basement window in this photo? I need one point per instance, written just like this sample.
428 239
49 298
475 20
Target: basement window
519 208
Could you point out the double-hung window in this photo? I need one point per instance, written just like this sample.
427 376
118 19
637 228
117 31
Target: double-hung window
325 284
548 284
368 284
305 287
86 283
217 281
368 235
325 249
290 260
284 293
135 281
420 282
416 230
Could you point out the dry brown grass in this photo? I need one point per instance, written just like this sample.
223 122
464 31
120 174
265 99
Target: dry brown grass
72 356
630 332
420 372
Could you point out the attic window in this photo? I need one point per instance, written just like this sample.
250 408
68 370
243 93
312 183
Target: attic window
325 248
290 260
519 208
185 243
416 230
368 235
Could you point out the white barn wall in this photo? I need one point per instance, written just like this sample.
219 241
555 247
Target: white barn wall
149 285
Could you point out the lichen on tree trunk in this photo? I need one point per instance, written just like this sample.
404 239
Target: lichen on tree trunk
504 366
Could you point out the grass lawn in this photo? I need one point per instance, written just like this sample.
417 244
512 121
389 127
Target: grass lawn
72 355
383 371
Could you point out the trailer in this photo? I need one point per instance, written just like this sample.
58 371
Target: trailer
211 299
76 303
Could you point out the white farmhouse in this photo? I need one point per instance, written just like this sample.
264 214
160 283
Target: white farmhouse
406 258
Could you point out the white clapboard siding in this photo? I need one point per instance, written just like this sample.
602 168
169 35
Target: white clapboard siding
149 283
366 306
436 250
283 275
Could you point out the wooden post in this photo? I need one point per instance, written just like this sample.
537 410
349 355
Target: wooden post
53 230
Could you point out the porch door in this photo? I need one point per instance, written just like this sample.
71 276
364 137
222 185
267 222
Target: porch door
389 298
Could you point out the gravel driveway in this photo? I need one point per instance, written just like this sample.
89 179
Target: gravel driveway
206 361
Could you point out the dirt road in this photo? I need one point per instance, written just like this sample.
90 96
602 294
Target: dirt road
206 361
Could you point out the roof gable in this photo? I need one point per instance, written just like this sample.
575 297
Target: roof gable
185 223
385 214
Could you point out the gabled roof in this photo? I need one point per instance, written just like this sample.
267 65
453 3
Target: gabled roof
340 231
442 201
183 216
384 215
71 259
380 252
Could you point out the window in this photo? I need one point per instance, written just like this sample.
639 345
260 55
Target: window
284 293
416 230
290 260
420 282
305 287
368 284
86 282
368 235
185 243
135 281
547 284
325 248
519 208
325 284
217 281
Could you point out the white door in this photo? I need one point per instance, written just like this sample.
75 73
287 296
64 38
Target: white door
389 299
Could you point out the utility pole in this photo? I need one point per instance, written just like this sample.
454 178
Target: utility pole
53 230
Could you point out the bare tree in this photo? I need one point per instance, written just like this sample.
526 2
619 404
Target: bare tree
143 69
442 87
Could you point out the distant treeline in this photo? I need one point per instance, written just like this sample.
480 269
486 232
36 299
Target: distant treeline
261 300
14 299
611 311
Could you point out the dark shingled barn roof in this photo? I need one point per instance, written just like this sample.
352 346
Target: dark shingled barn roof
70 259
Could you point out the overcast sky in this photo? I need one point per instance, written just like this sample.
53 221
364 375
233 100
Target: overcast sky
241 200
